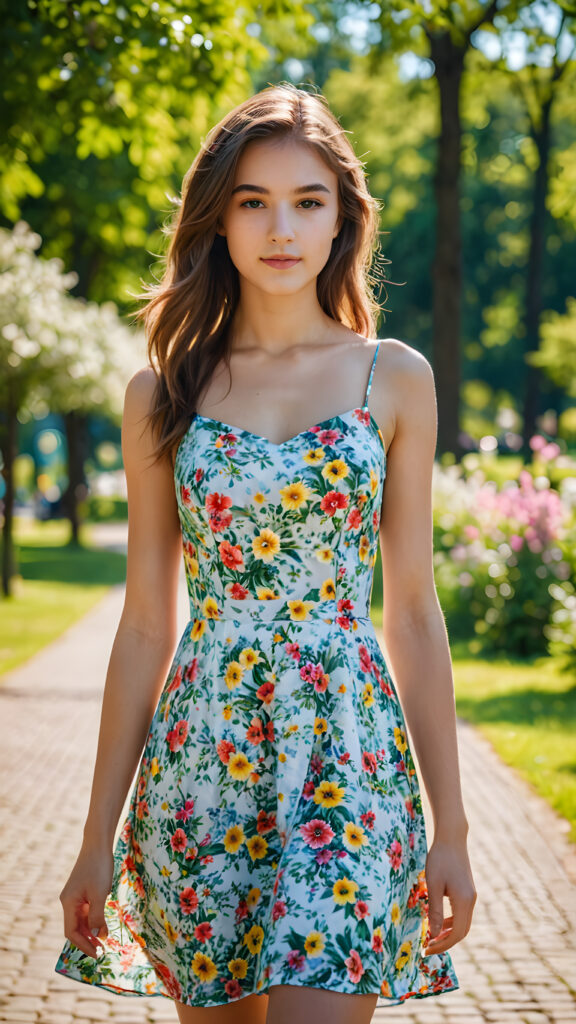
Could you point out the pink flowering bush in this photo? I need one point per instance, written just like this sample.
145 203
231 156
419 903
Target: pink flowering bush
506 557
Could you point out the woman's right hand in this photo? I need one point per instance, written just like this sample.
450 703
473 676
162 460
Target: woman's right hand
84 896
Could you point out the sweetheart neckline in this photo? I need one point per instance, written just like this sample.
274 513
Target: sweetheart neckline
282 444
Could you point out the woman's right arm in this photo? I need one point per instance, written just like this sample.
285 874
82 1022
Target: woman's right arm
139 662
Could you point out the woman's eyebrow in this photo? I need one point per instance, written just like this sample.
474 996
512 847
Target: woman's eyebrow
315 187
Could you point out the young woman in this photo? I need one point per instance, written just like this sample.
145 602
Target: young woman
273 864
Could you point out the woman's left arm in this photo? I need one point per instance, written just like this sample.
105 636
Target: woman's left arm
416 640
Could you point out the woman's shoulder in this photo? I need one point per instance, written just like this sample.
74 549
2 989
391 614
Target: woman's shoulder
141 390
402 356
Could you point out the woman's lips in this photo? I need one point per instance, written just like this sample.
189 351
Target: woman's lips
282 264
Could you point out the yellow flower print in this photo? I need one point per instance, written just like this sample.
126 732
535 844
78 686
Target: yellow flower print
282 757
193 565
253 897
395 914
234 673
154 767
204 967
313 456
299 609
368 695
233 838
400 739
328 590
198 629
227 712
266 594
266 545
259 497
364 548
257 847
254 938
329 794
354 836
171 932
295 494
344 891
249 657
238 967
324 554
239 767
373 482
314 943
320 726
210 608
335 470
404 955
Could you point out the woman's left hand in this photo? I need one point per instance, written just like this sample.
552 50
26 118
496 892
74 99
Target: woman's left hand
448 872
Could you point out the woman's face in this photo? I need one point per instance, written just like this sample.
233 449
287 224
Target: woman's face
284 201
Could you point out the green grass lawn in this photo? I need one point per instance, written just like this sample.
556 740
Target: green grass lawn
56 586
527 710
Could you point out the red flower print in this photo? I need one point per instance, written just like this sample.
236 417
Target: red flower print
394 852
411 838
365 659
361 909
269 731
265 693
198 475
363 416
354 519
233 989
176 680
178 841
176 737
203 931
237 592
242 910
376 519
316 833
355 966
377 943
308 789
344 758
254 733
216 504
224 749
296 960
410 807
323 856
206 839
333 501
139 887
171 984
231 555
279 910
368 819
185 494
316 764
186 811
265 822
191 671
369 762
188 900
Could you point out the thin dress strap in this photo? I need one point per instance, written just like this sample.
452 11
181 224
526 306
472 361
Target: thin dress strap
365 406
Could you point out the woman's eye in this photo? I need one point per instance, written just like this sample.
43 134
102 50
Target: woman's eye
248 201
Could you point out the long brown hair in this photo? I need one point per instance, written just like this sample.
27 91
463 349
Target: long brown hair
188 312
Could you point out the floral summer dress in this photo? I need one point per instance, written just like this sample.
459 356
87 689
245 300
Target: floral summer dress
275 832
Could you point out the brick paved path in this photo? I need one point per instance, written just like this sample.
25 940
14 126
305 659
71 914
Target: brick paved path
518 963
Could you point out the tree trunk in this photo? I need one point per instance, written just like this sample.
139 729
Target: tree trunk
532 374
448 60
77 489
9 442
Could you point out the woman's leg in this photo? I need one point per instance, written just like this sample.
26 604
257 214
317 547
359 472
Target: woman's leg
306 1005
247 1010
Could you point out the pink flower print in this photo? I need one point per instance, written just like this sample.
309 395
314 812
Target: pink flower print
361 909
296 960
365 659
394 852
279 910
186 811
369 762
323 856
327 437
316 833
355 966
